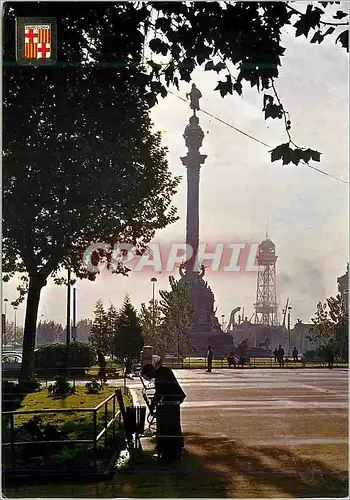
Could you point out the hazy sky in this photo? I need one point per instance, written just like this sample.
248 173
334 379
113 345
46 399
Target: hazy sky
242 192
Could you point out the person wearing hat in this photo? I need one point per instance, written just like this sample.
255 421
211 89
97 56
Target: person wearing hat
167 399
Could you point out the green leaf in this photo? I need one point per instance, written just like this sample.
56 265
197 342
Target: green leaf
237 87
340 14
268 100
343 38
315 155
151 99
163 23
273 111
219 66
225 87
201 57
158 88
158 46
329 31
309 154
318 37
309 20
185 73
155 67
288 155
280 152
169 73
209 66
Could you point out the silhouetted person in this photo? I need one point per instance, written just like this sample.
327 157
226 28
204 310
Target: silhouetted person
102 363
280 356
329 357
242 360
275 354
210 355
295 354
167 399
231 360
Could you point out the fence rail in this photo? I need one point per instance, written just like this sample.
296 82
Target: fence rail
250 362
116 415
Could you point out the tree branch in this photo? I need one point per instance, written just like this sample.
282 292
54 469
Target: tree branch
326 23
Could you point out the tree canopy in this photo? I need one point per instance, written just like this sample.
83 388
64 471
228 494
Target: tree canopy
99 333
151 320
128 339
177 308
331 326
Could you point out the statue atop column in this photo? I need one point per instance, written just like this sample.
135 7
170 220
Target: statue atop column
194 95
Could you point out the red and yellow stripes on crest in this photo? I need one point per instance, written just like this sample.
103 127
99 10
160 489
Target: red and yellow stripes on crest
44 36
31 49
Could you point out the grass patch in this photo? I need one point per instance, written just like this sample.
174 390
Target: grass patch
75 425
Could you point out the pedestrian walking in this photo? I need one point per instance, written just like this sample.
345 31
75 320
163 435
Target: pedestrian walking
210 355
166 401
275 354
295 354
231 360
280 356
242 360
329 357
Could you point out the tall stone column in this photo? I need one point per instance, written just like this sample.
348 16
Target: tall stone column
206 328
192 161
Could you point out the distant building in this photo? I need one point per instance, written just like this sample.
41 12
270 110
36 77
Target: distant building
299 335
343 289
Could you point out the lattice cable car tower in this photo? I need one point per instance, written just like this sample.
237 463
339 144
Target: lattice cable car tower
266 303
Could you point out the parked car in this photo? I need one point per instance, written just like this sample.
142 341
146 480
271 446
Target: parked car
11 364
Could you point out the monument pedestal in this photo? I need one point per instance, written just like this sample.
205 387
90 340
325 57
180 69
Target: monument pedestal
222 343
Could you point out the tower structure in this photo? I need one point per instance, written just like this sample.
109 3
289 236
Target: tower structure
266 304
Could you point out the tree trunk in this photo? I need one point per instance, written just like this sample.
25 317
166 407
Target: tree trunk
36 283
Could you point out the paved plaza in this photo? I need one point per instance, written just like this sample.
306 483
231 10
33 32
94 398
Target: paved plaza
248 434
269 432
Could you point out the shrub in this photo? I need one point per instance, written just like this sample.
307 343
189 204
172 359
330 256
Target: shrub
32 385
61 387
11 395
312 354
51 359
93 387
40 431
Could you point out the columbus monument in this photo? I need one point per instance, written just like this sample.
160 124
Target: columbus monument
206 328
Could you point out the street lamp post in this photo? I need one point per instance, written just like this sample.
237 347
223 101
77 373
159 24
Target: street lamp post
222 321
4 325
289 309
284 328
153 281
15 336
68 328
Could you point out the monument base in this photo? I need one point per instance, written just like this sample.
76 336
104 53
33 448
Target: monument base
222 343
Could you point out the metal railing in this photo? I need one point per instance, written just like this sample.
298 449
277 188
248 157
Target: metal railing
107 424
250 362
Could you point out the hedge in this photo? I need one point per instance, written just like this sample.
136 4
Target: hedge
50 359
